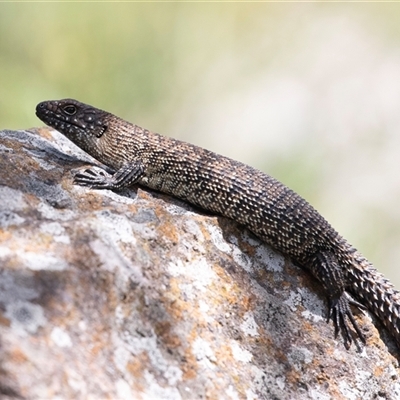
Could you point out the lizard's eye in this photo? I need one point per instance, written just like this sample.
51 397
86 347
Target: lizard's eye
70 110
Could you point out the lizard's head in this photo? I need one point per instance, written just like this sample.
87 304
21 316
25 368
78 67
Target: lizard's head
79 122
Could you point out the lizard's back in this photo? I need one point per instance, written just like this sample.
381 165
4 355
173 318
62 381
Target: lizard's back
219 184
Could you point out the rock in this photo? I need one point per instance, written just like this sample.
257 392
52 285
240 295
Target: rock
136 295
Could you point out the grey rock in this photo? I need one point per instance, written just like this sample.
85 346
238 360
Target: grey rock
135 295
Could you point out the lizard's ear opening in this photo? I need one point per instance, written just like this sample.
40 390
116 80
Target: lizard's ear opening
100 132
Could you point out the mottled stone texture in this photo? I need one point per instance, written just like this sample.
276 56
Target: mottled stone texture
136 295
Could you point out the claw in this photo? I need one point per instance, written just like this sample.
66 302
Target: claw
93 178
340 313
100 179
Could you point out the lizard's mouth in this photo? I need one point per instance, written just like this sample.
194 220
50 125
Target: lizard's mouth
66 118
44 112
51 114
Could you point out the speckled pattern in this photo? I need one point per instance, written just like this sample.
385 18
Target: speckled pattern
272 211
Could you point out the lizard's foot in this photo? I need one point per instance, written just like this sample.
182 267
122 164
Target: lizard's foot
95 178
340 313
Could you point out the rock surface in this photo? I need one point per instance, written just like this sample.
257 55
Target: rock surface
136 295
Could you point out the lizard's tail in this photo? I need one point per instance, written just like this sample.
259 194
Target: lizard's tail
372 289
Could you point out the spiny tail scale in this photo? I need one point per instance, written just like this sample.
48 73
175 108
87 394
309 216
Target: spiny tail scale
371 288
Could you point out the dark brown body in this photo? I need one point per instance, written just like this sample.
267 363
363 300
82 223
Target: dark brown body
268 208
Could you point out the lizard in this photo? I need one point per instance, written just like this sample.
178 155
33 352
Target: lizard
273 212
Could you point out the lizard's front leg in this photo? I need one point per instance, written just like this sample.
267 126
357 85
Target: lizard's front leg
100 179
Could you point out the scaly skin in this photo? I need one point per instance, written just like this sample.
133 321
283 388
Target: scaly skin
268 208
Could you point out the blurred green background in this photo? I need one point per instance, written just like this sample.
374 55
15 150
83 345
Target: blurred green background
309 93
